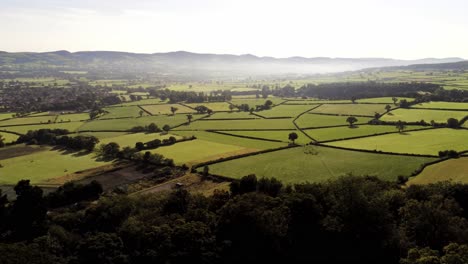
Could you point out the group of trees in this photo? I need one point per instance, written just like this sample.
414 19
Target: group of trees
155 143
151 128
191 97
347 220
59 137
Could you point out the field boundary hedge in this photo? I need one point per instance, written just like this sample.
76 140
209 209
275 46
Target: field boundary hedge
372 135
247 137
144 110
438 109
298 128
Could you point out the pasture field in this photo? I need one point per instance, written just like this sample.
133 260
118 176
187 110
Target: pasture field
259 124
28 120
350 109
215 106
73 117
123 111
6 115
165 109
415 115
252 102
383 100
317 120
129 140
231 140
127 123
297 101
282 135
70 126
150 101
100 135
316 164
8 137
232 115
428 142
455 170
38 167
442 105
199 150
286 110
333 133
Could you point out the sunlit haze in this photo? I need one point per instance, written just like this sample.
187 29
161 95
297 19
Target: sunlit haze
332 28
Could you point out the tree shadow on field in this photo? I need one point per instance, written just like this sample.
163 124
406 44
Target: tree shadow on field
73 153
404 133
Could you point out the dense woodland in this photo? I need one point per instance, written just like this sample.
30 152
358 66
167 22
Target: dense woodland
348 220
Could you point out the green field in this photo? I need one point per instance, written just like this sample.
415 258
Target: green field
43 165
73 117
316 120
275 135
231 140
415 115
259 124
315 164
70 126
198 150
428 142
455 170
127 123
383 100
100 135
333 133
143 102
6 115
8 137
442 105
252 102
28 120
286 110
350 109
165 109
123 111
232 115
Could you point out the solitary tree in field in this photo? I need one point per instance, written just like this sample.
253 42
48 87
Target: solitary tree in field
388 108
2 141
174 109
189 118
231 107
141 113
166 128
400 126
209 111
293 136
395 100
251 110
353 99
453 123
351 120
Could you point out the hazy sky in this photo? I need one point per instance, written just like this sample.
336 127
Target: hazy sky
404 29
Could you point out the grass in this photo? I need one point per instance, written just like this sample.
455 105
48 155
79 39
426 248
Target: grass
38 167
231 140
315 120
73 117
165 109
275 135
28 120
350 109
286 110
129 140
316 164
127 123
428 142
442 105
252 102
454 170
70 126
259 124
124 111
415 115
216 106
100 135
6 115
143 102
232 115
198 150
325 134
383 100
8 137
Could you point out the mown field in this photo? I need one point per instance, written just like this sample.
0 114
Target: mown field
455 170
232 115
239 124
442 105
316 120
383 100
8 137
124 111
286 110
428 142
415 115
273 135
165 109
315 164
70 126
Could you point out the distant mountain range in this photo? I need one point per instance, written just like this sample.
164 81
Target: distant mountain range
460 66
187 63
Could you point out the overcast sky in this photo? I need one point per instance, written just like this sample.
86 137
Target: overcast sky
405 29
